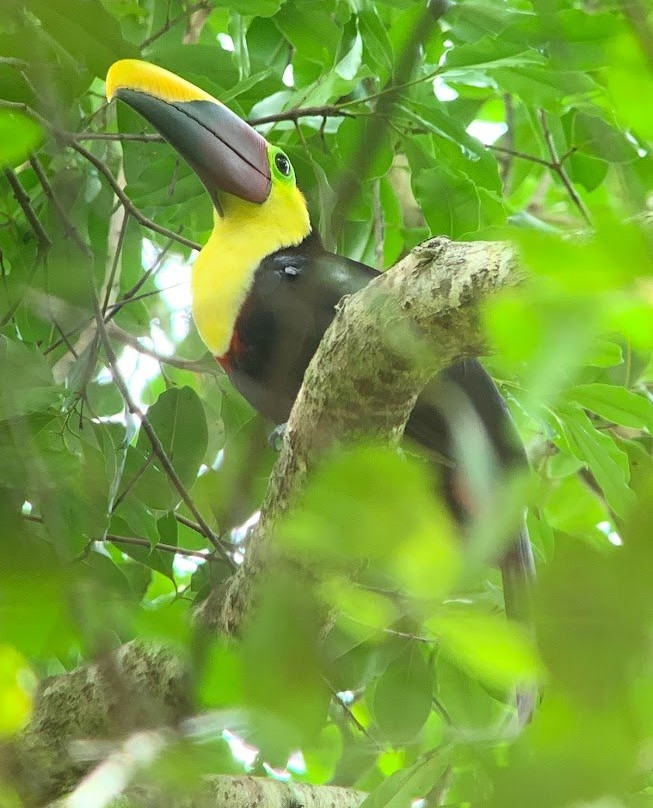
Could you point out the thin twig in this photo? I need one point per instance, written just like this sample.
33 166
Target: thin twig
117 256
120 303
395 88
122 495
192 365
145 137
326 111
42 238
351 716
149 272
636 14
157 446
184 520
168 548
64 339
522 155
126 201
557 166
138 542
69 227
9 61
170 23
131 293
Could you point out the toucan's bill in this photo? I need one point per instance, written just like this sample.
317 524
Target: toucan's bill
225 152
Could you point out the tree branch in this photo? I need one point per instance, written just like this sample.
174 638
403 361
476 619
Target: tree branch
362 381
139 685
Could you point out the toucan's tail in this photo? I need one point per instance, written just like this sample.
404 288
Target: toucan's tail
463 401
518 573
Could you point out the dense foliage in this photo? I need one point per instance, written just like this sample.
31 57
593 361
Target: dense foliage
508 119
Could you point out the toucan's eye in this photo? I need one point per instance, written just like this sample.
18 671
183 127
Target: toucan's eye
283 164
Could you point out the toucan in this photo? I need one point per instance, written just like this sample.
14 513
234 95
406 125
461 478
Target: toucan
264 291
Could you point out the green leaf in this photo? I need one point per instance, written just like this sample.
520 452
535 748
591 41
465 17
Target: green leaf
542 86
604 354
255 8
617 404
402 788
85 30
180 424
311 29
596 137
348 67
375 39
26 383
489 51
19 135
474 19
607 462
452 204
403 696
593 602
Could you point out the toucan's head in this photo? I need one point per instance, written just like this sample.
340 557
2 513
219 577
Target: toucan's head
228 155
259 208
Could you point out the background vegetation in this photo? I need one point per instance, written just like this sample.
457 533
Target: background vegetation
518 120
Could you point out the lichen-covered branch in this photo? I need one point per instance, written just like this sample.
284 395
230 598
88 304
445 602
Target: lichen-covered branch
140 685
227 791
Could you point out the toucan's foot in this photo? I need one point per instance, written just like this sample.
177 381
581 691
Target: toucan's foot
275 441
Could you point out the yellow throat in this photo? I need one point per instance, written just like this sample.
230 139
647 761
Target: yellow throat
223 272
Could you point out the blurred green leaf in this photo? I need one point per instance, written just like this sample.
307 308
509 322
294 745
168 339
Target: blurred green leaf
403 696
596 137
498 652
401 789
370 502
19 135
291 662
16 685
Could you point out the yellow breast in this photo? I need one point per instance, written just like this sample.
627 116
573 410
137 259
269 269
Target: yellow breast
224 270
